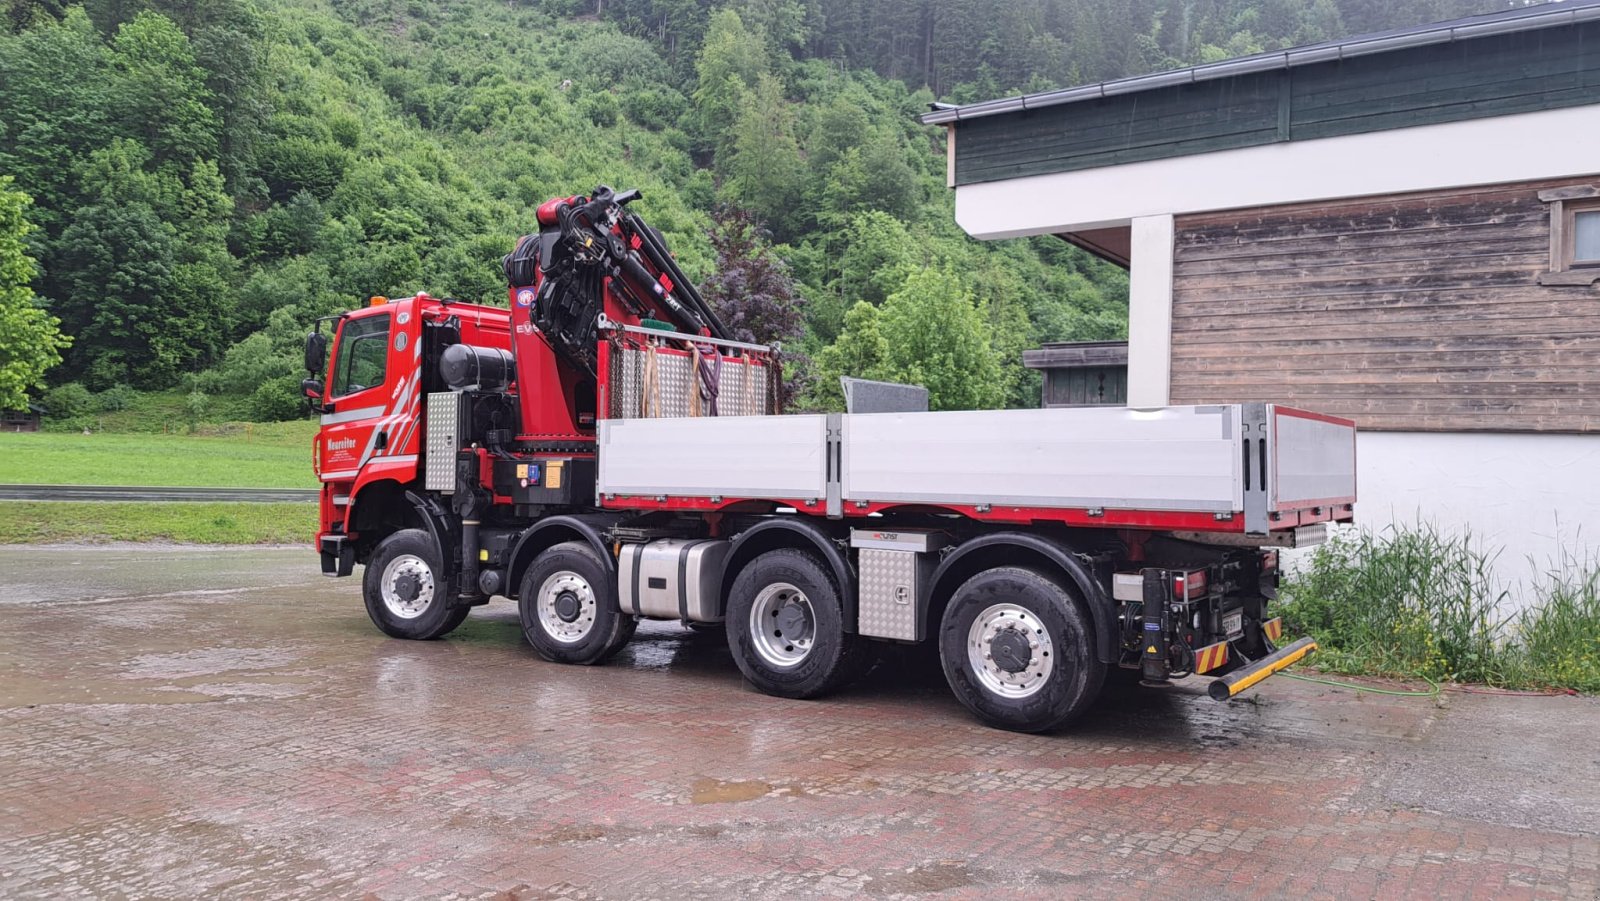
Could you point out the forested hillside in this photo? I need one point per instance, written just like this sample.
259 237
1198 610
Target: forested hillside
209 176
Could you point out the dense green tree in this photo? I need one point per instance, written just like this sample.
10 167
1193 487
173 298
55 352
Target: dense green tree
935 334
860 351
764 171
117 282
874 176
159 94
931 332
30 339
839 125
729 66
53 108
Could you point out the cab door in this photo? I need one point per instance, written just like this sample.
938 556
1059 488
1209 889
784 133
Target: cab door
359 394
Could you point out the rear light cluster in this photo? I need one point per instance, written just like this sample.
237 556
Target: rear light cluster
1189 585
1269 561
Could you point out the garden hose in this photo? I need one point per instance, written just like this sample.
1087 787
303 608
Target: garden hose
1432 692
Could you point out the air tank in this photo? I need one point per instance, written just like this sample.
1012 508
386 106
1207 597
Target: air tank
467 367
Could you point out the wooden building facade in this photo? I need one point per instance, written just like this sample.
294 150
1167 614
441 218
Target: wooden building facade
1413 312
1401 228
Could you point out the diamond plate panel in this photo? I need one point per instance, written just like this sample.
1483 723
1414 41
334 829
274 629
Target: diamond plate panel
444 439
887 605
673 374
744 388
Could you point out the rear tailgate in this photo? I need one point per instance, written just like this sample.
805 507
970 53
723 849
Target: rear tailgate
1311 467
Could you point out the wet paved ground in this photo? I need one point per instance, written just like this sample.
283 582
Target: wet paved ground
183 723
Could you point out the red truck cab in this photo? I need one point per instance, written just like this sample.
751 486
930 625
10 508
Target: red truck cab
370 404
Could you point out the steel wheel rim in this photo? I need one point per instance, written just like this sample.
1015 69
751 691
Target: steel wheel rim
400 568
776 645
1021 624
549 597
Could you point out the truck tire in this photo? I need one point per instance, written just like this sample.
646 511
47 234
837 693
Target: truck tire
786 627
1018 650
569 607
405 588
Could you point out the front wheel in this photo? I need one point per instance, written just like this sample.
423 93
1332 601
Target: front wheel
1018 650
405 588
786 627
569 607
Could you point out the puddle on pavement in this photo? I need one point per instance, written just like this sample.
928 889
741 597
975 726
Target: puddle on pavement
716 791
207 662
20 690
941 876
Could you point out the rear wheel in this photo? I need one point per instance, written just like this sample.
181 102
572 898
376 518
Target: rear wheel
785 627
1018 650
405 588
569 607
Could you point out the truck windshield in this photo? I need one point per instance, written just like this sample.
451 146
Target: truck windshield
362 356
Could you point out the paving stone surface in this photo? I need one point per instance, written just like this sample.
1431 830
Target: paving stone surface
188 723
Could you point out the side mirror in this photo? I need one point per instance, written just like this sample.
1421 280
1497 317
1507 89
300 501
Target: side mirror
312 389
316 354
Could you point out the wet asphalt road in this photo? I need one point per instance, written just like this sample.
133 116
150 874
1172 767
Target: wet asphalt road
182 723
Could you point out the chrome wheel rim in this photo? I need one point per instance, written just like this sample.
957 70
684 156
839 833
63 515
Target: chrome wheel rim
783 625
407 586
566 607
995 644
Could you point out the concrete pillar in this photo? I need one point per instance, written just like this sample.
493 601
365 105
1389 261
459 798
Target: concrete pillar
1150 312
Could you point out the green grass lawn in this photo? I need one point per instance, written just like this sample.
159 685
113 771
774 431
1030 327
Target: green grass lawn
30 522
234 455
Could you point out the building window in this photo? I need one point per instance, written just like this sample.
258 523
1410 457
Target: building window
1574 236
1583 225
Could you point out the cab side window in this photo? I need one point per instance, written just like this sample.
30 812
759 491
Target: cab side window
363 355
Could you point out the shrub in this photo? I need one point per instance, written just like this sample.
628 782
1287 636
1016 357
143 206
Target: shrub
116 398
277 400
655 108
69 401
606 58
195 406
602 108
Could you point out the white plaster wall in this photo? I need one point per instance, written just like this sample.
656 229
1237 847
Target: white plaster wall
1527 493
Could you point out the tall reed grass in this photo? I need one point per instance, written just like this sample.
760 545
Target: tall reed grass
1416 600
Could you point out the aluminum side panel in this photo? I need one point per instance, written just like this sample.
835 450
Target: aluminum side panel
725 456
1175 458
1314 460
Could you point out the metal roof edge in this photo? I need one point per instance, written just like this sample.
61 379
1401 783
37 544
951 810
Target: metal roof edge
1527 20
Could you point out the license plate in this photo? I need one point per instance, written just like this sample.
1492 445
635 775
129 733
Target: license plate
1233 625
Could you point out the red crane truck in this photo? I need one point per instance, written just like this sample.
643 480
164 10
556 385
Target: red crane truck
601 451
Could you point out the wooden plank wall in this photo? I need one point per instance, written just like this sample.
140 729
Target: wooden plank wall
1550 68
1198 118
1414 312
1086 386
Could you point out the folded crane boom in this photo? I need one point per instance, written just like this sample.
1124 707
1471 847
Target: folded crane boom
587 248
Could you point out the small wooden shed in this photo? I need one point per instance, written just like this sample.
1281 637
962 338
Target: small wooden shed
22 420
1081 373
